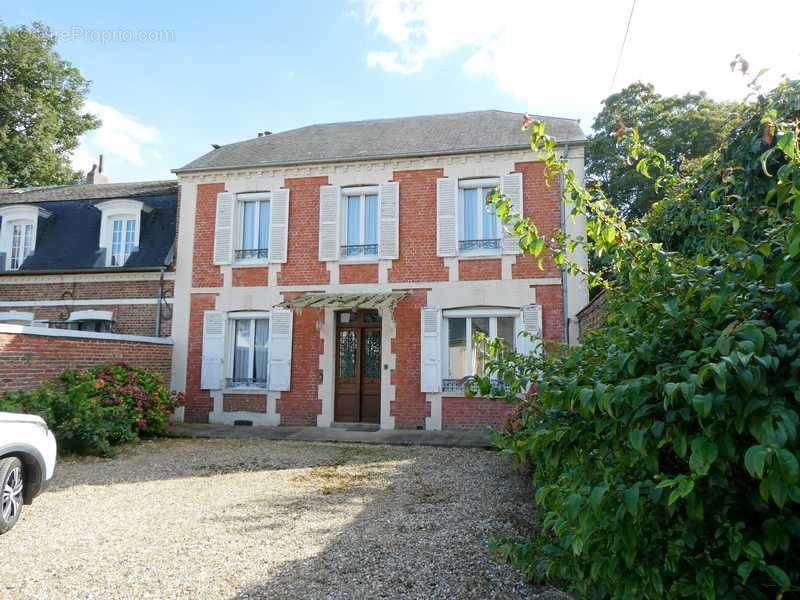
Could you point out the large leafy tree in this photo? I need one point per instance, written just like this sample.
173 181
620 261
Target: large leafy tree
665 450
41 109
682 128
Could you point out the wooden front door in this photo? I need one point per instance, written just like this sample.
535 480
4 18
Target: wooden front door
357 396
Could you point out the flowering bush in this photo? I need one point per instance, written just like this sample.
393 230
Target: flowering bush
92 410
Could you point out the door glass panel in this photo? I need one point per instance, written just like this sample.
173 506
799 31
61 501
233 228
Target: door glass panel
457 348
372 353
347 353
372 316
479 325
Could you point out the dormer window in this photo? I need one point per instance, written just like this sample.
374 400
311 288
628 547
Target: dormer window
18 234
119 230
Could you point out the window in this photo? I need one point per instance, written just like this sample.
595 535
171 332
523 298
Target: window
120 229
123 240
463 357
360 223
99 321
18 234
479 227
16 318
21 243
249 356
253 227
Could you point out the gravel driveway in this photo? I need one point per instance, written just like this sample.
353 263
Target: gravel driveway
265 519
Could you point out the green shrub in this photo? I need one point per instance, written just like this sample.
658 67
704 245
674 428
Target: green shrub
664 450
91 411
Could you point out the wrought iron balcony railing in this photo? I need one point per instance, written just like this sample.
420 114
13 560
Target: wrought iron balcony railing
458 385
491 244
360 250
244 382
252 253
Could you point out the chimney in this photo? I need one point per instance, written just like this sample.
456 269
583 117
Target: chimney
96 175
263 133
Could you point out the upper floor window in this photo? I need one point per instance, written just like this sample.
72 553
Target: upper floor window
18 234
119 230
249 351
360 223
479 227
253 240
123 240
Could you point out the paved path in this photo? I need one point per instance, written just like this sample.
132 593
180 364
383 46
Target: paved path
398 437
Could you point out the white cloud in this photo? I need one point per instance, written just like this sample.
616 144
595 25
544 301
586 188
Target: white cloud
127 145
559 57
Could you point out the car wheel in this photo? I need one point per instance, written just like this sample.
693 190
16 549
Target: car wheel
11 482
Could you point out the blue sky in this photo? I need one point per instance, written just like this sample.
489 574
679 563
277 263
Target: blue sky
228 70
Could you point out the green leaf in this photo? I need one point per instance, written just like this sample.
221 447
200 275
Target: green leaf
704 453
636 439
788 465
753 551
702 404
631 499
754 460
779 576
596 497
755 265
744 570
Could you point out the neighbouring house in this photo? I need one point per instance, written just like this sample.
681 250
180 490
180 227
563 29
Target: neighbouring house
336 273
92 257
593 315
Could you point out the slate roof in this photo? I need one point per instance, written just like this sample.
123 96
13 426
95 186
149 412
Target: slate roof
67 241
433 135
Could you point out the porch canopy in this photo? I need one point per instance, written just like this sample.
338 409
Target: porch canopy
344 301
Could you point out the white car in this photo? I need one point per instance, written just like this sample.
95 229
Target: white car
27 462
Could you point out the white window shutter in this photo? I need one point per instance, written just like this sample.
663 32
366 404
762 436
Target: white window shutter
280 349
531 324
223 228
329 222
211 367
446 217
278 225
511 186
389 215
431 350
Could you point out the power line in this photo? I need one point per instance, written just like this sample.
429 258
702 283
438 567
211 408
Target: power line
622 48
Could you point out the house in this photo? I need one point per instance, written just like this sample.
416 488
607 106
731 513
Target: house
336 273
94 256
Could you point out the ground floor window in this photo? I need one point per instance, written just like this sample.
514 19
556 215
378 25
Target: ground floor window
463 356
249 351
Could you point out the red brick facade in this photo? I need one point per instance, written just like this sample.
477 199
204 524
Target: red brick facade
204 272
471 413
27 361
417 264
131 316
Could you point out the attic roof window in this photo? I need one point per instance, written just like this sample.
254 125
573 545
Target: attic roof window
18 234
120 228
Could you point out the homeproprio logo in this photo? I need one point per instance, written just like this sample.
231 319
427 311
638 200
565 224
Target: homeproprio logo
113 36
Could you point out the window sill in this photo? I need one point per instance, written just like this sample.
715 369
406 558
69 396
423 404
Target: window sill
359 260
479 254
245 264
249 391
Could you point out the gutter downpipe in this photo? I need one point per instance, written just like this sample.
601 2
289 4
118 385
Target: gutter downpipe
159 298
564 291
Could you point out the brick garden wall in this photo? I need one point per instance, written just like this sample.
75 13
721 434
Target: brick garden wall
30 359
474 413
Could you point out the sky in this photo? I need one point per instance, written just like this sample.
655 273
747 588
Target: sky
168 79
